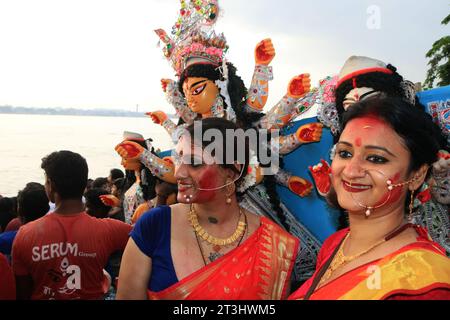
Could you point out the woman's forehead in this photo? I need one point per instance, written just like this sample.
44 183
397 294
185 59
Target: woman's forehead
187 146
372 130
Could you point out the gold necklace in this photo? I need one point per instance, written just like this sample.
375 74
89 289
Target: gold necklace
202 233
216 248
340 259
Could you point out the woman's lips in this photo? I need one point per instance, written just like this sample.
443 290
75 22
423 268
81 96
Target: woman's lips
183 187
355 187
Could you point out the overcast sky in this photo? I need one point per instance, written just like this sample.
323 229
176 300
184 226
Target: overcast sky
104 54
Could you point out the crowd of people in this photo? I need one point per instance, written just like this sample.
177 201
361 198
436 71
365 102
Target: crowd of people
187 225
205 246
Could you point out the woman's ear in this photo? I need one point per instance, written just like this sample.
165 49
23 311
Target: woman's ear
234 174
419 177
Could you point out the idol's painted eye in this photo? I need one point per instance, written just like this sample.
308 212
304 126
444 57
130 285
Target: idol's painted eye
199 89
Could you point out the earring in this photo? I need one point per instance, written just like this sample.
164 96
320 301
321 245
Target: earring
230 192
218 109
411 206
391 186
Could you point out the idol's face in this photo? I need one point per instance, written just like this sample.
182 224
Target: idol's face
368 154
356 95
197 174
132 165
200 93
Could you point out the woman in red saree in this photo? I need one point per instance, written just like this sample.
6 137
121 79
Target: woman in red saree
207 246
382 157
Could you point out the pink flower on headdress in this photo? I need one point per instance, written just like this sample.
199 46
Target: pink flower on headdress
329 87
212 51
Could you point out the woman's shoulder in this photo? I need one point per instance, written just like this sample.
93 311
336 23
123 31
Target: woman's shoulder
156 213
273 227
336 238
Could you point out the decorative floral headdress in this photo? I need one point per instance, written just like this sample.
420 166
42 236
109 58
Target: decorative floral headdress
326 112
193 39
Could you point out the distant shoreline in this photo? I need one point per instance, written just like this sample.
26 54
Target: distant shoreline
73 112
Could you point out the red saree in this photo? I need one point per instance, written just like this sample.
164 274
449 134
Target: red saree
418 270
259 269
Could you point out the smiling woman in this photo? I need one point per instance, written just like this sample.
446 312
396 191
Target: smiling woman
207 246
382 157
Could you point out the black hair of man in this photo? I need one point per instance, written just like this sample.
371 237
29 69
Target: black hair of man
94 206
68 173
116 174
32 202
100 183
7 212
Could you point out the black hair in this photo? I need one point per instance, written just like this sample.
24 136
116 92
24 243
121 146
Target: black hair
7 212
389 84
245 119
269 181
420 135
89 184
94 206
236 89
148 180
116 174
32 202
100 182
223 126
68 171
130 179
120 185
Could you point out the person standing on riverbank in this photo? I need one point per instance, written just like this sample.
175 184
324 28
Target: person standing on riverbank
62 255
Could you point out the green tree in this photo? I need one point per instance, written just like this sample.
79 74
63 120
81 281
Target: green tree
439 63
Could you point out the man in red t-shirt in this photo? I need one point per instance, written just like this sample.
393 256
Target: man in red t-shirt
62 255
7 285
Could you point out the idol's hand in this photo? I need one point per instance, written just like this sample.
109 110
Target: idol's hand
321 174
442 165
299 86
165 83
311 132
110 200
158 117
129 150
264 52
300 186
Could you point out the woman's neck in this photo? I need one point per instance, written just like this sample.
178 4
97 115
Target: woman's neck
365 232
137 174
217 212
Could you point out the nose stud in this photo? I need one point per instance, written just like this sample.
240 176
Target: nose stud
390 186
188 198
